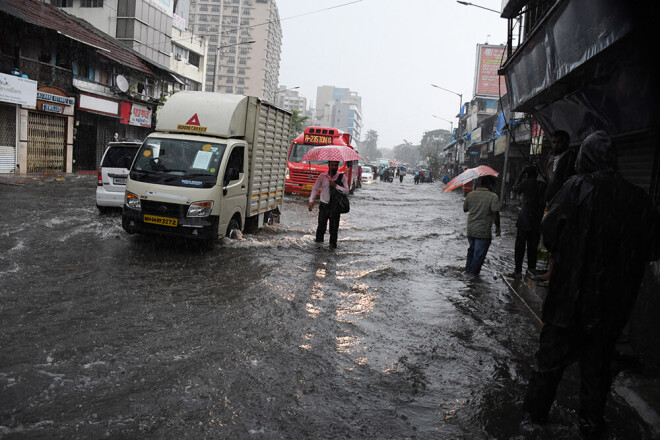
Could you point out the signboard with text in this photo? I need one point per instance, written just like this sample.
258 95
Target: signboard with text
140 116
17 90
486 80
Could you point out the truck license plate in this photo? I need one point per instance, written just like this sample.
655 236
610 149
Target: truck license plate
307 187
163 221
119 180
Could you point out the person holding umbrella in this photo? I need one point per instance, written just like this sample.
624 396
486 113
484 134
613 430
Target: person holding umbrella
325 183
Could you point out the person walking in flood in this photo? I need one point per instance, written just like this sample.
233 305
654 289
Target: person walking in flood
602 231
326 182
483 208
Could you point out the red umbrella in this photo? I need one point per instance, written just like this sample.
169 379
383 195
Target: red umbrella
337 153
469 175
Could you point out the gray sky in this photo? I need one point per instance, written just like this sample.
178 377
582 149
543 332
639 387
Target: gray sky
389 52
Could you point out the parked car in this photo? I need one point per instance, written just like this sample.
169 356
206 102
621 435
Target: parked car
113 172
367 174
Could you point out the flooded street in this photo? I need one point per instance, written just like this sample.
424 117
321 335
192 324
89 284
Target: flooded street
106 335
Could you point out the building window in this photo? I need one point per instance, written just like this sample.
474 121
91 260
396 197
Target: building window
241 70
62 3
242 61
240 91
91 3
194 59
230 80
229 90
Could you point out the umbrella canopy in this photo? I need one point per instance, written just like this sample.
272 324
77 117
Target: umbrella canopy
469 175
339 153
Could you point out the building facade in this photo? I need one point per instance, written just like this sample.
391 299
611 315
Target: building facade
245 43
339 108
70 89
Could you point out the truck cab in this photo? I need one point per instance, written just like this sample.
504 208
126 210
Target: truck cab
208 170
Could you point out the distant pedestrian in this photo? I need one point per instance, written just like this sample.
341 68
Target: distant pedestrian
483 208
602 230
325 183
416 178
529 219
468 186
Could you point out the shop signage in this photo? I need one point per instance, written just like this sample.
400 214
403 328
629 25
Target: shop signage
43 96
98 105
178 22
487 81
500 144
476 136
52 108
16 90
54 100
140 116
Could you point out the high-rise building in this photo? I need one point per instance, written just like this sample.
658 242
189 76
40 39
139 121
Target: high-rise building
245 42
339 108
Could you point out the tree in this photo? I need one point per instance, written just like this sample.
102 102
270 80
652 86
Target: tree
297 124
369 146
432 146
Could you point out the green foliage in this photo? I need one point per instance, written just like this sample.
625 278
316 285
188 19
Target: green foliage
297 123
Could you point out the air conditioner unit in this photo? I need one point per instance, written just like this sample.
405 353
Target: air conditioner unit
179 57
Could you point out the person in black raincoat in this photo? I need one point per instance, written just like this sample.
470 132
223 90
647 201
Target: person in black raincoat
602 231
528 224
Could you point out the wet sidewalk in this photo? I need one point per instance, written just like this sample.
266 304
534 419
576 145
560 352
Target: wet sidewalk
640 392
22 179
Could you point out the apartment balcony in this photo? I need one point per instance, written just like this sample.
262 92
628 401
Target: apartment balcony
45 74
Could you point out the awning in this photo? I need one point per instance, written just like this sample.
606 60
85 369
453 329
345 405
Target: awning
574 33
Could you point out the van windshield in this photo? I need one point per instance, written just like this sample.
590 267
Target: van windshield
178 162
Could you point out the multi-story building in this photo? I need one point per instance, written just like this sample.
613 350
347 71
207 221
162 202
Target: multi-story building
290 99
245 41
155 29
340 108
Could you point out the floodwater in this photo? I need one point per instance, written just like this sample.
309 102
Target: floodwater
106 335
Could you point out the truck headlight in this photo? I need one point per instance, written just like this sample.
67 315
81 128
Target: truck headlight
132 201
200 209
286 175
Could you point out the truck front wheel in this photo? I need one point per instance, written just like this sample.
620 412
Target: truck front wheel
233 229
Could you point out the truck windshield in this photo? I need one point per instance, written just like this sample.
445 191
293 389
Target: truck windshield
299 150
178 162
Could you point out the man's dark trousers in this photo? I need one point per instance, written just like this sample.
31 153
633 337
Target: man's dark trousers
325 214
592 348
530 240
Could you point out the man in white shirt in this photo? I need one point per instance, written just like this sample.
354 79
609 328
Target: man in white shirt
323 183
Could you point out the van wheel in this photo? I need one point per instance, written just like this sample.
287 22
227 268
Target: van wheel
233 229
102 209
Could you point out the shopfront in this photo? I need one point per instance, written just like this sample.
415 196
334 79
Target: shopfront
97 121
49 132
136 120
14 93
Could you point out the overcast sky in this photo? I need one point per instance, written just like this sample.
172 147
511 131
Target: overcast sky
389 51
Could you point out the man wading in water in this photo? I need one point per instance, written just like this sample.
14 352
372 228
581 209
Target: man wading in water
324 182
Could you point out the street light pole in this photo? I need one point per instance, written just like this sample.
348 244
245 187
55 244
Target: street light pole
217 55
477 6
460 96
447 120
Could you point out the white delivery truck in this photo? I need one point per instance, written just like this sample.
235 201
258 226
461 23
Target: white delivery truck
215 165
